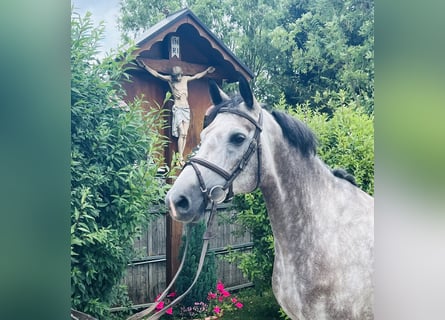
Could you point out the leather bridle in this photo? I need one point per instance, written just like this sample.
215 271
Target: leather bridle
224 193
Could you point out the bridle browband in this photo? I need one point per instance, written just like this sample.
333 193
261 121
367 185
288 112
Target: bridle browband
215 195
216 192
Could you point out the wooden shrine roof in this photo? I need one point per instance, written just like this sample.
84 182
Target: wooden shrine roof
200 47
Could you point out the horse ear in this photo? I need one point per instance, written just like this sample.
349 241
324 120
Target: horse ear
246 92
215 93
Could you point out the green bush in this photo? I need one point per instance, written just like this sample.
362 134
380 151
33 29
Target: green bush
256 305
113 169
207 279
346 140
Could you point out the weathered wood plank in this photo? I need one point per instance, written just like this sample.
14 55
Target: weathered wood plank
146 277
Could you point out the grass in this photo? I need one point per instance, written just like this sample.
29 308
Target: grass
257 306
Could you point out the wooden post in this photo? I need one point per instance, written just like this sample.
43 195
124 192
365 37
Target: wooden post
191 47
173 228
174 235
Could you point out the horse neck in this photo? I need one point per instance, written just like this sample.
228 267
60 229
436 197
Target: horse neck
293 185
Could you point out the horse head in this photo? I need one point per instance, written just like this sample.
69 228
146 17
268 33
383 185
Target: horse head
225 163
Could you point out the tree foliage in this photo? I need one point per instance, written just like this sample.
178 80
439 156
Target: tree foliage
310 50
328 46
139 15
114 148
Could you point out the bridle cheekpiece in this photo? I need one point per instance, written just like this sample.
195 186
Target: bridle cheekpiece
224 193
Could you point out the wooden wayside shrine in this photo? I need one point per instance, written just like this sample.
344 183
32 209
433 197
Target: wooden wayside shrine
181 39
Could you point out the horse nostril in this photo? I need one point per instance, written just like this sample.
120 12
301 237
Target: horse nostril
182 204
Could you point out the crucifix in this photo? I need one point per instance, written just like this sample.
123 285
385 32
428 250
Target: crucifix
172 71
178 86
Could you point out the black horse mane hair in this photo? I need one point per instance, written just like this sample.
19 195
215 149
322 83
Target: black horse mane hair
300 136
297 133
341 173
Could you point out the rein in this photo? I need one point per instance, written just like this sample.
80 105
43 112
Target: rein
206 238
215 195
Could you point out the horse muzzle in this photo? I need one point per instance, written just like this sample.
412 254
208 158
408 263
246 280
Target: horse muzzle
185 204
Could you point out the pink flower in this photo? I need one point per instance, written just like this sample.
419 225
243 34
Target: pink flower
160 305
171 295
211 296
225 293
217 309
239 305
169 311
220 286
234 300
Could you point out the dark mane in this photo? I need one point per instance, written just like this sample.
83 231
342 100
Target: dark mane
297 133
341 173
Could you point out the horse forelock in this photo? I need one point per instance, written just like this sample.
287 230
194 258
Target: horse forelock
233 102
297 133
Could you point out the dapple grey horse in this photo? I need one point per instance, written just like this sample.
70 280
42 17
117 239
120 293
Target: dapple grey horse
322 223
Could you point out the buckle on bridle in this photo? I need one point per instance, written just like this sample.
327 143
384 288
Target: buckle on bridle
218 194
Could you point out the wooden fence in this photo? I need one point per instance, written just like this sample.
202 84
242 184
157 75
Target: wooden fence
145 276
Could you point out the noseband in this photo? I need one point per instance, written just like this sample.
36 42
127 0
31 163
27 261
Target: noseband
224 193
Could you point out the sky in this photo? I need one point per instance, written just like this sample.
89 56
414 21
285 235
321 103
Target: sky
102 10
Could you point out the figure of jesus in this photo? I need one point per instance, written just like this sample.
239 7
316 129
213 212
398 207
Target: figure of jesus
181 110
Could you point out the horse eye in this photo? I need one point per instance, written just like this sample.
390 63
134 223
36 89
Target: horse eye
237 138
